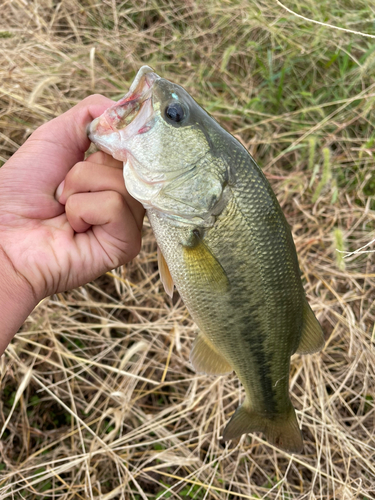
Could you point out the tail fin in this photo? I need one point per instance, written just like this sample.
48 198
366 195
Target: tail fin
281 430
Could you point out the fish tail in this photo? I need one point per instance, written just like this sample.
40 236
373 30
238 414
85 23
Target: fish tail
280 430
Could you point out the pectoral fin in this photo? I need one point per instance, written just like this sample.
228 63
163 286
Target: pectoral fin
205 358
203 268
165 275
312 339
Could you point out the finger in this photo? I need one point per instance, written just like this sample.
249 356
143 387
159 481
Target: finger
111 219
86 177
102 158
64 139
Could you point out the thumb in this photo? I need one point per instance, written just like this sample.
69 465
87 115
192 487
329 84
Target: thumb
65 138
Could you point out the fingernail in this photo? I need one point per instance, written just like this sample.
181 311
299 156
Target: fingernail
59 190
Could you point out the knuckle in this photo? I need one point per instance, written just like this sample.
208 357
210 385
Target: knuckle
73 206
135 248
76 173
130 250
40 132
116 201
70 204
98 157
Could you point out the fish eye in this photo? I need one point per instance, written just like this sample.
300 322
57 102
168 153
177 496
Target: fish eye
175 112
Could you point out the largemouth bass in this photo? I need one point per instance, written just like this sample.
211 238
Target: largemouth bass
223 242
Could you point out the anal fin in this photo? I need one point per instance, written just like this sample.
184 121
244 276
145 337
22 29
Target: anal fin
165 275
205 358
312 339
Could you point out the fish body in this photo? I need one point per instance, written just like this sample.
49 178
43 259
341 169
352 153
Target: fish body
223 241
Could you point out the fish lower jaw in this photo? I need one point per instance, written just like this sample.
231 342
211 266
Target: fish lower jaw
180 219
133 173
142 189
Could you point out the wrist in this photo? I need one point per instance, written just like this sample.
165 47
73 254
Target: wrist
17 300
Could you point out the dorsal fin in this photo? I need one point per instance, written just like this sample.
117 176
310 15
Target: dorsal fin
312 339
165 275
205 358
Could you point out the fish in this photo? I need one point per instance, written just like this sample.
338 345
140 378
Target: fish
223 242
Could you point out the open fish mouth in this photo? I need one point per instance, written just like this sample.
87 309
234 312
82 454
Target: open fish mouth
130 116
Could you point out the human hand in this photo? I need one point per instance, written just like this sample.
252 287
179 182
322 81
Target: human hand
49 245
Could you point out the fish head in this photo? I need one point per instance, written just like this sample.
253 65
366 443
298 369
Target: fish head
162 136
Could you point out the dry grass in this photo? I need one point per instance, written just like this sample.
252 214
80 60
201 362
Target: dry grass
98 395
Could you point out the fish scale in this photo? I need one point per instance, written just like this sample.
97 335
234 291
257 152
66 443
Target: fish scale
223 242
266 319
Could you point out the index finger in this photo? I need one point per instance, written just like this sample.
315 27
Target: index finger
102 158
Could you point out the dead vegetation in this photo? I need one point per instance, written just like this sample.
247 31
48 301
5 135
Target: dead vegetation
98 396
